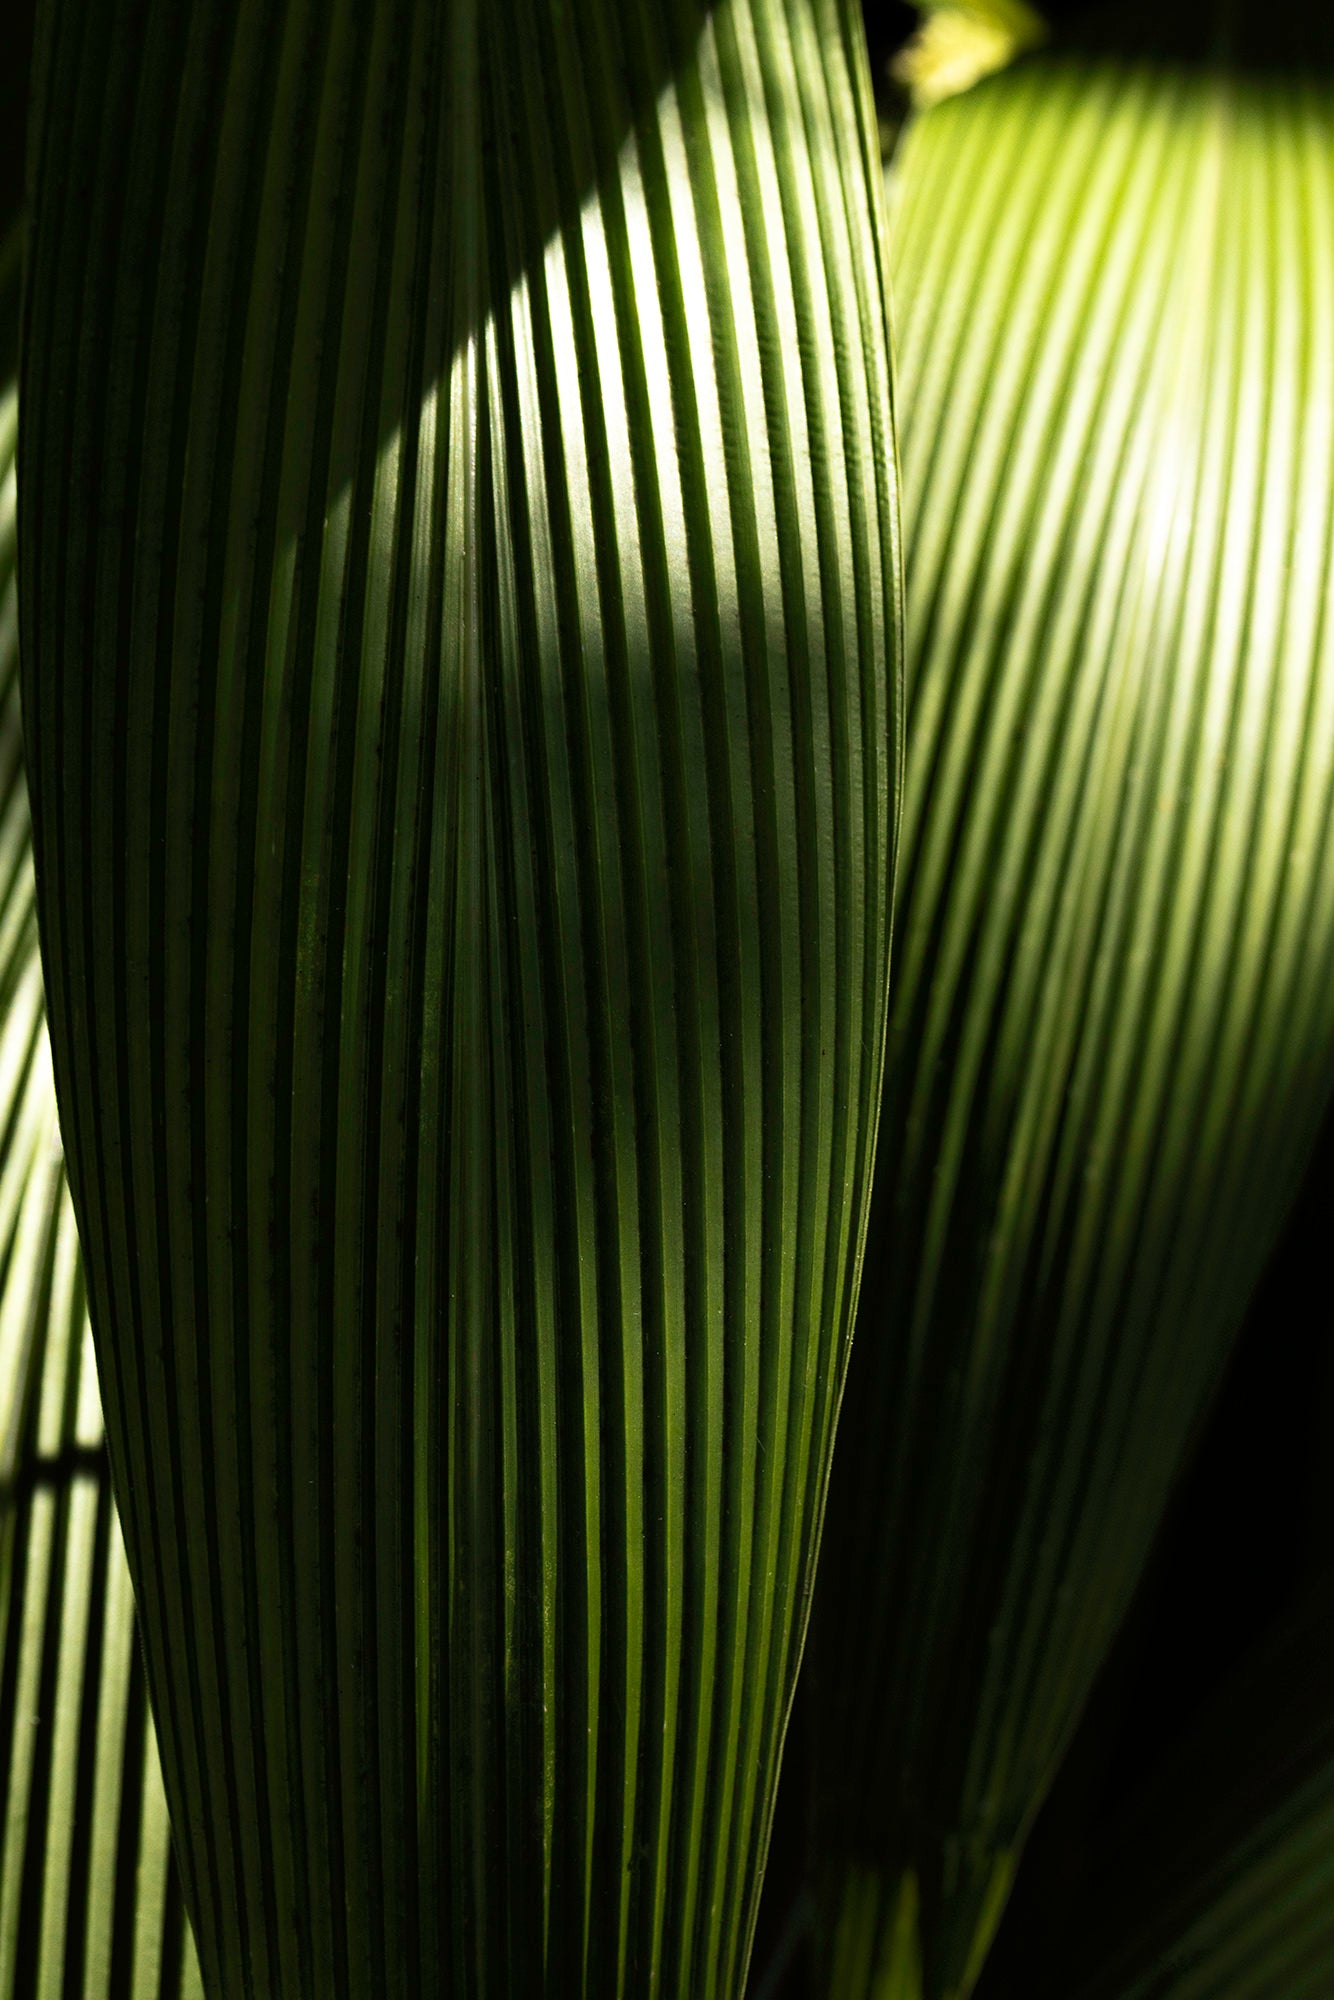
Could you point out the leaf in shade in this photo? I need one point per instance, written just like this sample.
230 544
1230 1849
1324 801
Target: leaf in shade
89 1899
459 575
1112 1024
1217 1883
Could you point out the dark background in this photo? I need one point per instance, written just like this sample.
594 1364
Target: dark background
15 54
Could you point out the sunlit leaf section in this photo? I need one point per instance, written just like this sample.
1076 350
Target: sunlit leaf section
463 717
1112 1023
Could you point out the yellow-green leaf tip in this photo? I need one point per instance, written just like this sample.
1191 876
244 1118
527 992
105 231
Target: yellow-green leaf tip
961 41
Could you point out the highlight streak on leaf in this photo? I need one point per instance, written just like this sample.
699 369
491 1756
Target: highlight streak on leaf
1112 1023
89 1900
460 565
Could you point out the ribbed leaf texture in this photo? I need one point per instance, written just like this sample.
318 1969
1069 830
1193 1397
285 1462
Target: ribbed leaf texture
459 582
1218 1882
90 1903
1112 1023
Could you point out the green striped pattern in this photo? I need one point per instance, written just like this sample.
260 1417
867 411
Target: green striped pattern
460 673
1219 1881
1112 1023
1260 1923
90 1904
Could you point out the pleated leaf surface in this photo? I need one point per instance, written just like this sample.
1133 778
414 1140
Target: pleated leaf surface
459 576
1111 1027
90 1904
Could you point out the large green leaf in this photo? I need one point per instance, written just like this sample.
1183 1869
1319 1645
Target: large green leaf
459 581
1217 1883
89 1901
1112 1023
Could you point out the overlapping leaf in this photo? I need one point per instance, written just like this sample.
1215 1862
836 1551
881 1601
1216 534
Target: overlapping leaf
1112 1024
459 580
1218 1882
89 1901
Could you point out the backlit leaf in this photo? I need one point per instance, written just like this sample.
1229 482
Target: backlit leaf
1112 1021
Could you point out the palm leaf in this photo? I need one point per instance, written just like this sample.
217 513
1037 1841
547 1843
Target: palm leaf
459 580
89 1900
1112 1025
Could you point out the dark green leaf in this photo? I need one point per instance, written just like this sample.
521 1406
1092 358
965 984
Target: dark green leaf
1217 1883
460 588
89 1901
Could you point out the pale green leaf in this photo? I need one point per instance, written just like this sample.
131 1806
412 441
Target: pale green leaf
1112 1021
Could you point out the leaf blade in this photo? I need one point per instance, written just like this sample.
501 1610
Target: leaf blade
88 1893
492 934
1108 1046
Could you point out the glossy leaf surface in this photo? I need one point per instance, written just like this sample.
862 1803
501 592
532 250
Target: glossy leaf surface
460 599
